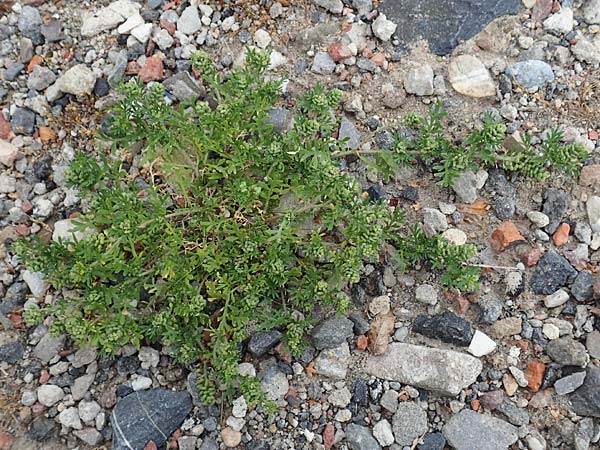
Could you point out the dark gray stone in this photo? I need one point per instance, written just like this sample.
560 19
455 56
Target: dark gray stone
583 286
432 441
515 415
101 88
23 121
148 416
279 119
447 327
586 399
490 309
332 332
530 74
504 207
360 438
41 429
552 272
556 202
258 445
11 352
13 71
348 131
567 352
444 23
209 444
263 341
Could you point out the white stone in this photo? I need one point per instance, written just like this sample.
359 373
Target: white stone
427 294
125 8
239 407
189 22
65 230
419 80
558 298
88 410
142 33
455 236
104 19
49 394
340 397
469 76
246 370
333 6
587 51
551 331
28 398
383 28
8 184
35 282
236 423
132 22
380 305
70 418
206 10
591 11
539 219
141 383
163 39
382 431
8 153
560 22
593 211
78 80
149 357
481 344
276 59
262 38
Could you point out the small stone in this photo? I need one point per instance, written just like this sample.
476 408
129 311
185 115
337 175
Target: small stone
35 282
433 441
23 121
239 407
148 357
552 272
230 437
539 219
587 51
593 344
141 383
383 28
81 386
469 430
591 11
189 22
70 418
455 236
274 383
8 153
409 422
481 344
551 331
561 235
11 352
419 80
142 32
131 22
469 76
561 22
383 433
447 327
331 333
333 363
389 400
323 63
90 436
360 438
586 399
570 383
262 38
380 305
88 410
153 70
427 294
333 6
567 352
530 74
49 394
465 186
434 220
48 347
519 376
84 356
506 235
507 327
340 398
65 230
349 132
593 211
515 415
40 78
78 80
590 175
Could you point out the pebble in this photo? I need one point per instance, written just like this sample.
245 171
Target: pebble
539 219
323 64
230 437
262 38
382 431
530 74
569 383
481 344
349 132
333 6
8 153
469 76
561 22
35 282
69 417
455 236
419 80
593 212
447 327
23 121
586 399
360 438
409 422
465 186
567 352
469 430
427 294
88 410
551 273
78 80
383 28
332 332
551 331
189 22
40 78
380 305
333 363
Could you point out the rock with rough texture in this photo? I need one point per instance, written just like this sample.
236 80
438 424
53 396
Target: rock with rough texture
263 341
465 186
447 327
556 202
183 87
383 433
333 6
69 418
383 28
78 80
444 23
409 422
586 399
323 63
90 436
419 80
591 11
360 438
48 347
274 383
444 371
530 74
348 131
333 363
561 22
567 352
593 211
332 332
148 416
481 344
66 230
583 286
189 22
469 76
36 283
570 383
469 430
433 441
11 352
552 272
8 153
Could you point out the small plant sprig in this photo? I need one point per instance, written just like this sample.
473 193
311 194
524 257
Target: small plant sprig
427 141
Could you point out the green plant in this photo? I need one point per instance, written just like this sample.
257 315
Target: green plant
427 141
225 228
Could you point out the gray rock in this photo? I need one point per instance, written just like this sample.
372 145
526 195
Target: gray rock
443 23
530 74
35 282
440 370
333 363
583 286
409 422
593 344
48 347
434 220
447 327
331 333
184 87
274 383
209 444
40 78
263 341
586 399
12 72
570 383
556 202
41 429
148 415
90 436
23 121
561 22
433 441
469 430
465 186
88 410
82 385
30 22
551 273
567 352
279 119
49 394
360 438
52 31
363 7
78 80
333 6
349 131
419 80
584 434
490 308
383 28
189 22
11 352
586 51
118 70
84 356
591 11
323 64
70 418
515 415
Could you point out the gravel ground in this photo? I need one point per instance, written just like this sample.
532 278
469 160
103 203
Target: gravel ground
515 365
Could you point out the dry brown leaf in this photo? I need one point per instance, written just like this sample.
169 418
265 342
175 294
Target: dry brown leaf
47 134
381 329
310 369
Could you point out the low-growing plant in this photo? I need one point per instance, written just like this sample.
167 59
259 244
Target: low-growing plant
425 139
224 228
